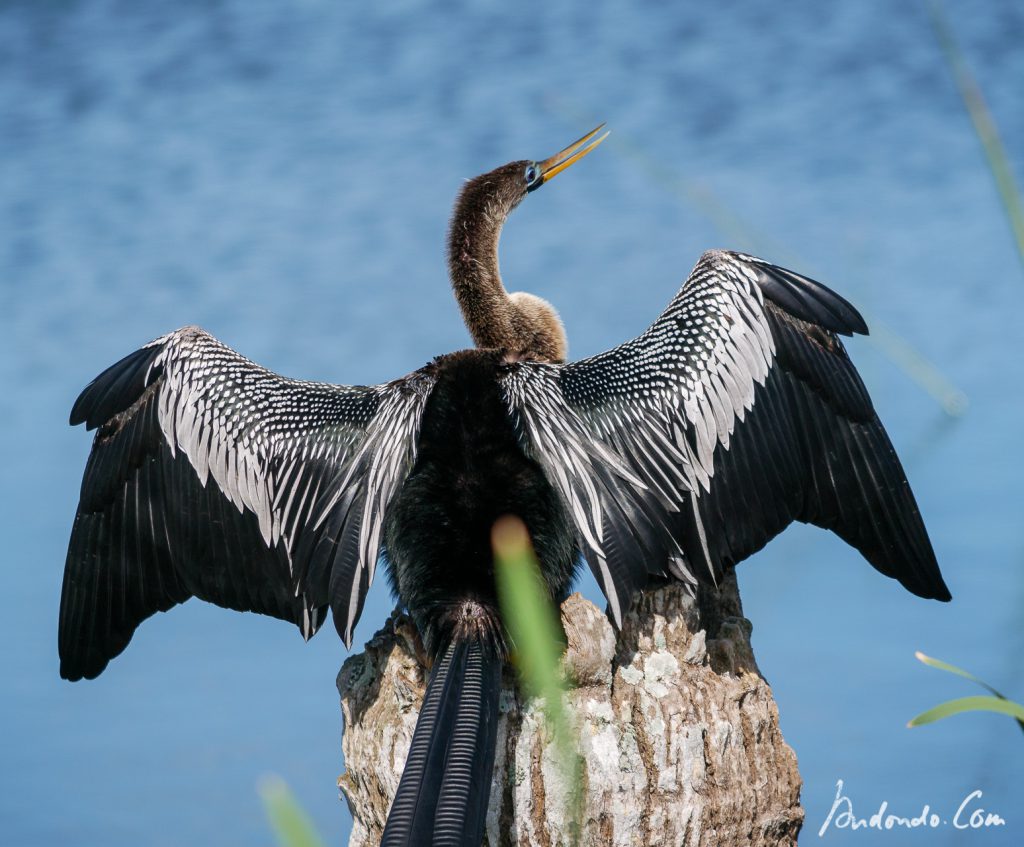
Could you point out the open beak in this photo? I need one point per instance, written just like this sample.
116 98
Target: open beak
550 168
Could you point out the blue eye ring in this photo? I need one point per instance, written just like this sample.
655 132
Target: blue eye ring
532 175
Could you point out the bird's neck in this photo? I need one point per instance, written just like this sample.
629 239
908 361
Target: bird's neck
473 265
518 322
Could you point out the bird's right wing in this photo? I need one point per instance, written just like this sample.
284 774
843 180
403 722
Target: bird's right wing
737 412
212 477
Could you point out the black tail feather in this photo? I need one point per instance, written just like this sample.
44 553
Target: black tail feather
442 797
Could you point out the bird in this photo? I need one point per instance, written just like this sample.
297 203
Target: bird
674 455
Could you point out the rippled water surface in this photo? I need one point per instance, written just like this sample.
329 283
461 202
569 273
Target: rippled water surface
281 173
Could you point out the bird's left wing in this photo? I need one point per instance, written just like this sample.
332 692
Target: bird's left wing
212 477
737 412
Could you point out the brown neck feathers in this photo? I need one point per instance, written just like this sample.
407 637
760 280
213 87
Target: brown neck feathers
520 322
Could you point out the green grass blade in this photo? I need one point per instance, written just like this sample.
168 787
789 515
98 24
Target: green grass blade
290 823
946 666
984 125
533 625
977 703
527 611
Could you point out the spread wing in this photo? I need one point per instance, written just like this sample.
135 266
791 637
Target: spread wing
737 412
212 477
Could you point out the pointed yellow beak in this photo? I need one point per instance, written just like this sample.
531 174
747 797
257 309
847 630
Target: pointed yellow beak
550 168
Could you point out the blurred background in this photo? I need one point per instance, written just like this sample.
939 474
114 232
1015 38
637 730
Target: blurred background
282 174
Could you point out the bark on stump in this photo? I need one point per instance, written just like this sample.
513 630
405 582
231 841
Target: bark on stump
678 732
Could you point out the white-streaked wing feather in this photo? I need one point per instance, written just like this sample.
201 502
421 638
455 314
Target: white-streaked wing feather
693 370
633 438
279 453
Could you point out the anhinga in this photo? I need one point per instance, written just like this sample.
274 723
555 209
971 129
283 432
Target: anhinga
680 453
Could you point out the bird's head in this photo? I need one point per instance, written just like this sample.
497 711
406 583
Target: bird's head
504 188
521 321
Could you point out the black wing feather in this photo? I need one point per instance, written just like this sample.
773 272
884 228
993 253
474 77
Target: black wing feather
806 299
116 389
211 477
813 449
735 414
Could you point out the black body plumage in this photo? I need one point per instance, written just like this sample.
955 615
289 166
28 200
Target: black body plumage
678 453
470 470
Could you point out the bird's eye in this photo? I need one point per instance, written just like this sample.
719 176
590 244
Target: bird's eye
532 174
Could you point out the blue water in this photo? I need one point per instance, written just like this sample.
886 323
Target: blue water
282 173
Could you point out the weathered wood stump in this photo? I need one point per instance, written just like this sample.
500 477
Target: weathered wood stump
678 733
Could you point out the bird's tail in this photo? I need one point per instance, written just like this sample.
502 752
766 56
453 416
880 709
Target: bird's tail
442 797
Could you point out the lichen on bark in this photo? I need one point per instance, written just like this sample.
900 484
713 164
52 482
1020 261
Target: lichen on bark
677 731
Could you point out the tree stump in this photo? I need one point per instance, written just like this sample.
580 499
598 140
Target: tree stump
677 729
